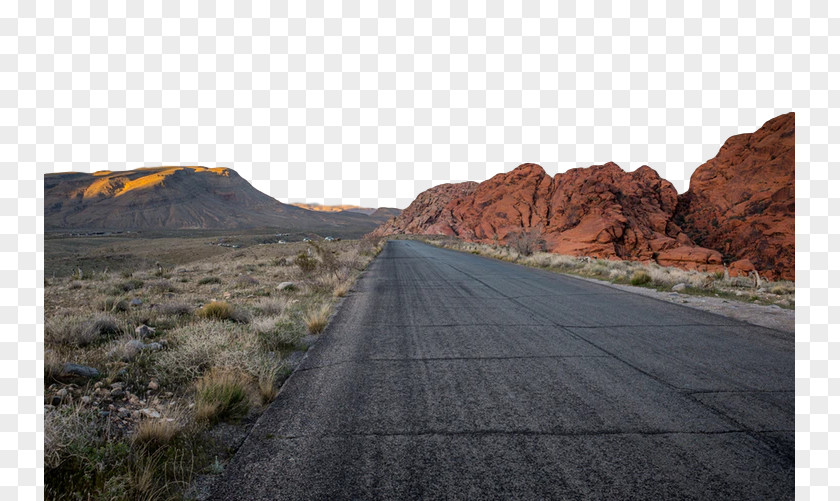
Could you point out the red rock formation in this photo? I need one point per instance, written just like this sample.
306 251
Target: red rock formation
601 211
740 206
741 202
428 214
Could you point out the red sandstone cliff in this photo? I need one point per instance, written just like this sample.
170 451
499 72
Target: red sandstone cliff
739 208
741 202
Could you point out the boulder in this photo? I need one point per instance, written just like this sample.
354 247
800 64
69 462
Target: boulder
144 331
286 286
81 371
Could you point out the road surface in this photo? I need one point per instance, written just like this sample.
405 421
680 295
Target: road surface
448 375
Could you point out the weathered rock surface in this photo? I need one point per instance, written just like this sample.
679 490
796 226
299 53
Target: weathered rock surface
600 211
741 202
429 213
739 209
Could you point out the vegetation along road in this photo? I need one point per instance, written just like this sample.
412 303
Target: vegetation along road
448 375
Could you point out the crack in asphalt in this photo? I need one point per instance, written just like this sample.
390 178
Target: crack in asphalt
523 433
726 417
445 359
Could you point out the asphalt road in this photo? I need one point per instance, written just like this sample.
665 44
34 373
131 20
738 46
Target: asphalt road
448 375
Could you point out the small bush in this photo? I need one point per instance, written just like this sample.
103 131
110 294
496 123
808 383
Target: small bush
216 310
316 319
175 309
640 278
210 280
527 242
75 330
306 263
246 281
115 305
130 285
162 285
277 335
270 306
222 395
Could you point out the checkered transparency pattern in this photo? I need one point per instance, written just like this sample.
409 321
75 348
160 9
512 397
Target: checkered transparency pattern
370 103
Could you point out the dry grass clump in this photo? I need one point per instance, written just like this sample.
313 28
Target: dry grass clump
342 288
222 395
209 280
195 348
316 319
157 432
783 288
80 330
216 310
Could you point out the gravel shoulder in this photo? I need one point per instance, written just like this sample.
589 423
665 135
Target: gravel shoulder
769 316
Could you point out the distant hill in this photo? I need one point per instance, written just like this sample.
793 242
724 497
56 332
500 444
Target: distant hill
380 215
334 208
177 198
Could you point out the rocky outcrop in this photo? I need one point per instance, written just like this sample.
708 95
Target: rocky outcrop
429 213
738 212
600 211
741 202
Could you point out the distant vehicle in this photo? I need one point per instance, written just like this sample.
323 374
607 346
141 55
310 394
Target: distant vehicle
281 241
307 239
328 239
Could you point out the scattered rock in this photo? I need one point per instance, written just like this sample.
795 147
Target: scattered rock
150 413
117 393
679 287
86 399
55 401
136 302
286 286
153 385
144 331
154 347
76 370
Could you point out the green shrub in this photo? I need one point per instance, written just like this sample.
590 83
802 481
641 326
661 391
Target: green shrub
210 280
640 278
307 264
282 336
